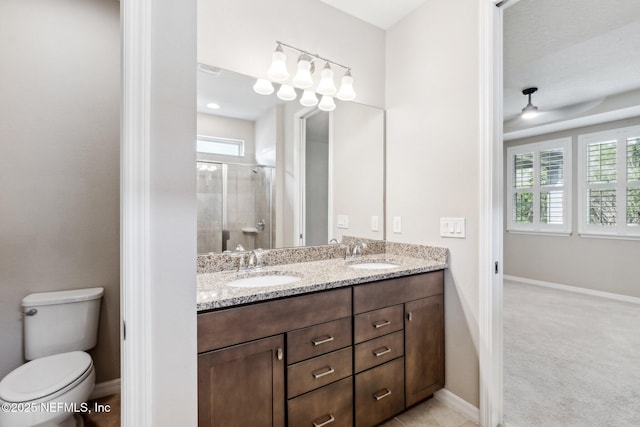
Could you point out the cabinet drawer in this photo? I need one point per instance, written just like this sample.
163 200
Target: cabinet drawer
379 393
318 339
231 326
319 371
378 351
397 291
330 406
379 322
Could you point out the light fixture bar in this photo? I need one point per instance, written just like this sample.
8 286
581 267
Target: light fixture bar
315 55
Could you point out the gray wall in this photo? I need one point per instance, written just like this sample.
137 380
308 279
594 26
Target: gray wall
59 163
432 160
607 265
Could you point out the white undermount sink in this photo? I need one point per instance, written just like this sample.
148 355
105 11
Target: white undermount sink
263 280
373 265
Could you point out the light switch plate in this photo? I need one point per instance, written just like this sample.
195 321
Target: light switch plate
374 223
397 224
453 227
343 221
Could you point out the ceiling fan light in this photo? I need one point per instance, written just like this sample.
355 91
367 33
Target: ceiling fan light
529 112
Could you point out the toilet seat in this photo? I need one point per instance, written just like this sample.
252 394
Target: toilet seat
46 377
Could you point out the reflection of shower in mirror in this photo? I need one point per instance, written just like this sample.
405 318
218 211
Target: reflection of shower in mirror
235 206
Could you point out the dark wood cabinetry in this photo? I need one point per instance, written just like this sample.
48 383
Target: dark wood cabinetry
351 356
424 348
242 385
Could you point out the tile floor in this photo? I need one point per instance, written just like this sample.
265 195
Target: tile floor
431 413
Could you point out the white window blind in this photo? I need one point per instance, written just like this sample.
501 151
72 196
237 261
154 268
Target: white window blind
609 183
539 192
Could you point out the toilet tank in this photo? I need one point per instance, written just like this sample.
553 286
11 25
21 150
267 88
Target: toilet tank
61 321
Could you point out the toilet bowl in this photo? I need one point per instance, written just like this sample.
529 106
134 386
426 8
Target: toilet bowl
47 392
51 389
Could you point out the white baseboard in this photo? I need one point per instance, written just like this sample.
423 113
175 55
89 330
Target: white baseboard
106 388
458 404
585 291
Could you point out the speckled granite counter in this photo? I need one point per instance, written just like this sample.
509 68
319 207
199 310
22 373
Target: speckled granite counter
316 275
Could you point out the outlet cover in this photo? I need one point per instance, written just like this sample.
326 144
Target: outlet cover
343 221
397 224
374 223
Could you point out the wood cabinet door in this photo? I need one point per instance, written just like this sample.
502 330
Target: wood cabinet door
242 385
424 348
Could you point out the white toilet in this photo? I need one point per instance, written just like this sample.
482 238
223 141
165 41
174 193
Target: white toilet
51 389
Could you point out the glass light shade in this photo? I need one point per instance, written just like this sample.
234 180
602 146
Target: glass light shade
326 85
303 79
287 93
530 111
278 69
326 103
346 92
309 98
263 87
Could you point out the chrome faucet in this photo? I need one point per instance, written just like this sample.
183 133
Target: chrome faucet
255 259
240 253
358 249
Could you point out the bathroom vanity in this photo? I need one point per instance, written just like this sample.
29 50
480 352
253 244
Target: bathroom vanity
361 350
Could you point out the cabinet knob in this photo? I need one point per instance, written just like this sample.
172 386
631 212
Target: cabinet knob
329 420
279 353
409 316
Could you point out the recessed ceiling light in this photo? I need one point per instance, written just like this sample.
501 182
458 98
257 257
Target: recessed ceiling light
213 106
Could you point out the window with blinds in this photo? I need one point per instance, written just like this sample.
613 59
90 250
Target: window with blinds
609 184
539 199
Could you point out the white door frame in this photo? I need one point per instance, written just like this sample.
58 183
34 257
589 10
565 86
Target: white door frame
135 213
135 246
491 214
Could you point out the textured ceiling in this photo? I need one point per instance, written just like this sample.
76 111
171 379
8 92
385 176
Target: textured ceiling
579 53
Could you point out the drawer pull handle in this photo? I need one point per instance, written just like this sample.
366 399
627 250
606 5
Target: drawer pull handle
382 394
381 351
279 353
323 372
381 324
329 421
322 340
409 317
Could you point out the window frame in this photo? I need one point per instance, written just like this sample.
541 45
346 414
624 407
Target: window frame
240 143
621 230
536 227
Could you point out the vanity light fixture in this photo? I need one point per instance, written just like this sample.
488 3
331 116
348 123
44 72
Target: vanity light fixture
309 98
529 111
213 106
287 93
278 69
263 87
303 79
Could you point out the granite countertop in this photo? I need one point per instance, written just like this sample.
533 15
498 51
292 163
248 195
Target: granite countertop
213 293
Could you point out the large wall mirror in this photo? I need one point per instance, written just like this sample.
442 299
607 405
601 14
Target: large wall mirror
275 174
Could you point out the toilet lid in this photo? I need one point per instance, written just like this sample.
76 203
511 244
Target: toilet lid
44 376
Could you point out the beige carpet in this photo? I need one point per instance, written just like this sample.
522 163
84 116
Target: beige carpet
569 359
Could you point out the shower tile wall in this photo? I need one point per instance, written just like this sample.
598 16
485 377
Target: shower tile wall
209 199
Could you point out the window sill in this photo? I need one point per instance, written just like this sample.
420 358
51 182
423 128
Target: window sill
541 233
609 236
